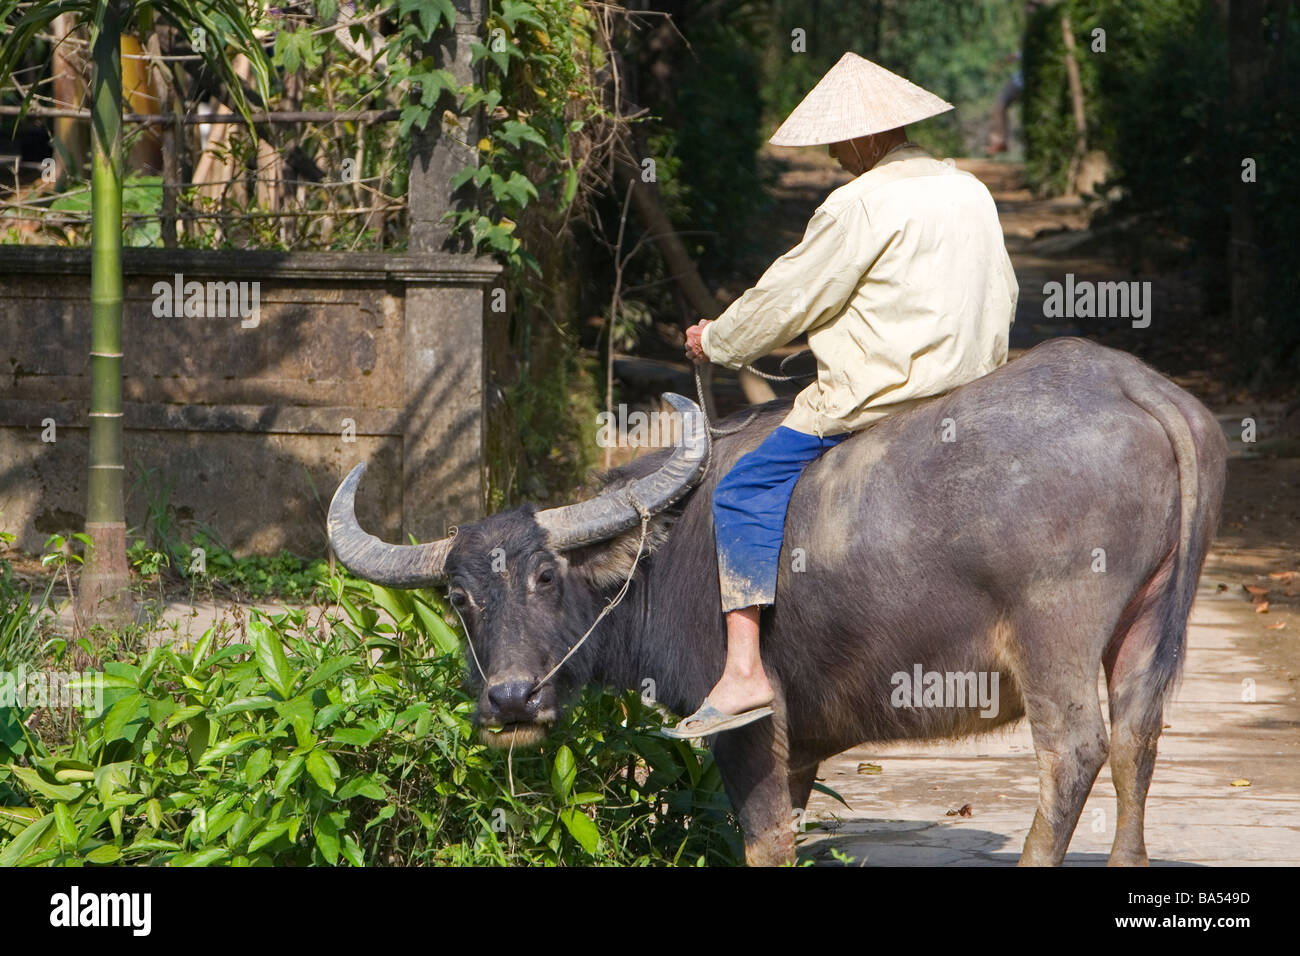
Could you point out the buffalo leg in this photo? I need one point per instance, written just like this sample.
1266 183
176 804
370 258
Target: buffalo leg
753 761
1133 759
801 785
1070 744
1135 723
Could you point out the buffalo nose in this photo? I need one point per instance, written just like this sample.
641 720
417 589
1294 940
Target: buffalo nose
514 700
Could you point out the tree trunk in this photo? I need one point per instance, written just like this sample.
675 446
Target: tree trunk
170 139
105 580
1077 105
69 133
654 219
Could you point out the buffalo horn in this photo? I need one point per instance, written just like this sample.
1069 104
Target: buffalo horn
392 565
616 510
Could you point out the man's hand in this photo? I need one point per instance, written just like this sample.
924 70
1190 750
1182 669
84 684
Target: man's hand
693 336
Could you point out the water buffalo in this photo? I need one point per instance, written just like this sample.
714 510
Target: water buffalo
1037 524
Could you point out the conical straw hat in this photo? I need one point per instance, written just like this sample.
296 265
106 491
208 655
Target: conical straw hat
856 98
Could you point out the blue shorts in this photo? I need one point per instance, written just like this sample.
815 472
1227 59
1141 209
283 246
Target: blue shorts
749 506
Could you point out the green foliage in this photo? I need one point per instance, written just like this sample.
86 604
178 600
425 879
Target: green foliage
537 98
344 741
164 546
1154 104
21 615
1048 120
141 199
542 443
951 49
706 155
227 27
283 575
1159 104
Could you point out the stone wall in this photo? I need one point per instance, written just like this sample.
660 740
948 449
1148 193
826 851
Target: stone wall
243 421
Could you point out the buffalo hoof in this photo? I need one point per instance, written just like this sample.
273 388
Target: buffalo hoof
1129 859
772 849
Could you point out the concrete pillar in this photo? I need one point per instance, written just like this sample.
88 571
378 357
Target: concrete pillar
444 422
444 479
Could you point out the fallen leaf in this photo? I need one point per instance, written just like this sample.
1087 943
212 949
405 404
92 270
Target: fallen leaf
870 768
965 811
1256 593
1243 782
1261 607
1221 588
1275 627
1288 576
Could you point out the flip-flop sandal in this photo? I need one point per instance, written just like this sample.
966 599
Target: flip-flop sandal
710 720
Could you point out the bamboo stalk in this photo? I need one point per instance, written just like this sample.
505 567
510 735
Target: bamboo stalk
105 578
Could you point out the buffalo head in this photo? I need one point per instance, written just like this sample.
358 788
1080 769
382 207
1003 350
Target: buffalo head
527 584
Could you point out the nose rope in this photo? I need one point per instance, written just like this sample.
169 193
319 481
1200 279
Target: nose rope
468 641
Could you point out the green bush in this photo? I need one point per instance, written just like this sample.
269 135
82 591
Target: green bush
283 575
343 738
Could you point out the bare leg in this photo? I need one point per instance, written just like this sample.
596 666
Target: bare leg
744 684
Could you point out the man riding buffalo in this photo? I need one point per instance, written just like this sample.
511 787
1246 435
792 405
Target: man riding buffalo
905 291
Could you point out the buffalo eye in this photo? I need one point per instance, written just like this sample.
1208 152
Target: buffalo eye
546 577
458 599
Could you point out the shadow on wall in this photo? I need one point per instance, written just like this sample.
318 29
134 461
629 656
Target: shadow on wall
250 424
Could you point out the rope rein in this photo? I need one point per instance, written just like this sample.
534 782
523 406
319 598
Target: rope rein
704 407
468 641
723 432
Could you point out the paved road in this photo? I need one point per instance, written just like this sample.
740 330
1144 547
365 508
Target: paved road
1194 814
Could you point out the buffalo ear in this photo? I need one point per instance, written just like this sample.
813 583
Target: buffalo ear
606 564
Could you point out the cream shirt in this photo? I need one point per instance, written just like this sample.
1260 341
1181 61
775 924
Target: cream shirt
903 285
